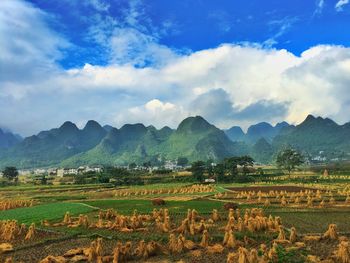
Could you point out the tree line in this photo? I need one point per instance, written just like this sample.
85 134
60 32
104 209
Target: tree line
238 168
225 171
233 169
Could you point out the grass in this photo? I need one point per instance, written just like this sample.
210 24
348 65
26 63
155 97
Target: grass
58 198
53 193
145 206
158 186
29 187
53 208
56 211
37 213
55 201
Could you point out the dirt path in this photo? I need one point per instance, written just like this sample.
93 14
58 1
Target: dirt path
90 206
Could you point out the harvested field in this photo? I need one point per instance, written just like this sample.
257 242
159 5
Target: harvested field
287 188
131 220
39 237
32 254
35 253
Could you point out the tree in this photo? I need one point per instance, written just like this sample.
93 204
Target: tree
147 164
116 172
288 159
260 171
198 169
132 166
43 180
182 161
245 161
209 167
11 173
103 178
79 179
219 171
231 165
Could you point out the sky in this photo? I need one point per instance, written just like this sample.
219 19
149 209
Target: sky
158 62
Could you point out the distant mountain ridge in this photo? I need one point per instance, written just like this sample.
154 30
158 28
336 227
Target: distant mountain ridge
258 139
8 139
68 145
53 146
255 132
235 133
194 138
317 136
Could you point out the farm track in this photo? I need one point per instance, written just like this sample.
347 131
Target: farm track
90 206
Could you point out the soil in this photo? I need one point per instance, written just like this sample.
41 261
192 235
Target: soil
322 248
36 253
39 236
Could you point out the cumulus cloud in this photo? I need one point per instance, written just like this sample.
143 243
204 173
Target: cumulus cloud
154 112
340 5
263 110
29 48
318 85
229 85
214 105
217 107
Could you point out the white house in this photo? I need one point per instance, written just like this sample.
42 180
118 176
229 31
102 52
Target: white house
209 180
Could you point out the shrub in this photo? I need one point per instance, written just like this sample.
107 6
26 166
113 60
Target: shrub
244 179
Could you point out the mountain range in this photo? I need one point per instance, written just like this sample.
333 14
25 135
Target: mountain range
8 139
255 132
194 138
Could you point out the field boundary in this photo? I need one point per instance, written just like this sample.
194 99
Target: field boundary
90 206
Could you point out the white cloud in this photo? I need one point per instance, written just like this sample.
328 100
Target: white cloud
318 85
154 112
279 27
314 83
254 81
99 5
131 46
319 7
156 105
131 38
29 48
229 84
340 5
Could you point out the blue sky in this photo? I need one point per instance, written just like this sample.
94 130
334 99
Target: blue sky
157 62
193 25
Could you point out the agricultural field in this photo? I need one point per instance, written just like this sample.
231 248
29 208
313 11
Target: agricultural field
245 223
